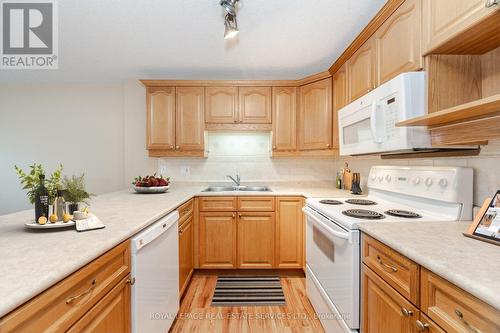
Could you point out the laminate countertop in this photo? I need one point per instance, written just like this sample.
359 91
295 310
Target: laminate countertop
31 261
440 247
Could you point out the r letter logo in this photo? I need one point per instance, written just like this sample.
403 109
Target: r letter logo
29 34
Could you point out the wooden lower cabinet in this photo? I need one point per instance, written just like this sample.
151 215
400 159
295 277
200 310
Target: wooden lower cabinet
110 314
425 324
256 240
186 247
383 308
217 240
289 232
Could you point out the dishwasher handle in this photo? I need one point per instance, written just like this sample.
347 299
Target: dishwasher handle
154 231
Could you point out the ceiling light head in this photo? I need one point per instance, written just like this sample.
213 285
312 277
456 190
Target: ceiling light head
231 26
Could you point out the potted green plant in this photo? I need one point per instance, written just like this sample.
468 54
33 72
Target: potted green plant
75 192
31 181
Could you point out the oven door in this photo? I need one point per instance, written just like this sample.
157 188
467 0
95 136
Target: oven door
332 257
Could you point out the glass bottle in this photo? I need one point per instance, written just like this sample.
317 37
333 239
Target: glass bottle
41 199
60 205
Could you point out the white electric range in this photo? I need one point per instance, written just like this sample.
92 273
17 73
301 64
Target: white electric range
396 194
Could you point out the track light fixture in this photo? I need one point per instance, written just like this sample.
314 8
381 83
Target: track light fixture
231 26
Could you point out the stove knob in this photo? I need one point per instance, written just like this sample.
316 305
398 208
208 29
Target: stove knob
428 181
374 177
416 180
380 178
443 182
388 178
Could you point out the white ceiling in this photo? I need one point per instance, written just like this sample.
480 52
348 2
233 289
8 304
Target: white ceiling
115 40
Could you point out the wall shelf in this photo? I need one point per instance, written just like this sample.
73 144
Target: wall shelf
481 108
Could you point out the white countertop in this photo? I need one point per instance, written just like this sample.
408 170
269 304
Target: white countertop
33 260
440 247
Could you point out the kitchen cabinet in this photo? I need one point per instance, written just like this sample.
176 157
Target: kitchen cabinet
361 70
190 106
160 118
186 248
256 240
383 309
217 240
398 42
254 105
221 105
284 110
289 232
315 115
444 19
340 99
256 204
110 314
97 296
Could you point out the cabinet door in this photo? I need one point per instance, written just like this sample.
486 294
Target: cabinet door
444 19
256 240
284 118
221 105
255 105
398 42
190 124
217 240
289 232
383 309
110 314
315 115
186 263
160 118
339 82
361 70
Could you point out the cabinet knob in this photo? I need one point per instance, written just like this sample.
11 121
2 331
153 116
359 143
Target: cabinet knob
241 121
239 215
490 3
421 326
328 145
274 147
177 147
171 147
234 216
406 312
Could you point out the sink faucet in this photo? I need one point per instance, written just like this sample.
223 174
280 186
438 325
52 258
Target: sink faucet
237 181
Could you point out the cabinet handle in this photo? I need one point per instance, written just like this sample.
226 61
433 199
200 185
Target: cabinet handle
392 268
274 147
490 3
73 298
239 215
328 145
177 147
241 121
171 147
460 315
422 326
406 312
234 216
131 281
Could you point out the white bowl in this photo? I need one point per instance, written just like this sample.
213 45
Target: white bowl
152 189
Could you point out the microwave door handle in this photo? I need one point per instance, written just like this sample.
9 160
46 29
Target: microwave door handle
343 235
373 123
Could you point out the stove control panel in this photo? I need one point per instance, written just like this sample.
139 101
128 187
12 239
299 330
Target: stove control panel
440 183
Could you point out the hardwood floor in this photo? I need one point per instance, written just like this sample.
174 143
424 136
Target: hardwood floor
197 315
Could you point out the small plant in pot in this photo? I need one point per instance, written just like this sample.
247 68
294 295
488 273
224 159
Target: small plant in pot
75 192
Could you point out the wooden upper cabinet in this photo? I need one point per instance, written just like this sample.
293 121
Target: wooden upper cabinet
160 118
383 309
221 105
256 240
254 105
339 82
444 19
361 70
398 42
315 115
190 123
284 118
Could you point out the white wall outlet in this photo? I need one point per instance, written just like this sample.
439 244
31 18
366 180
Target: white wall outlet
162 167
185 171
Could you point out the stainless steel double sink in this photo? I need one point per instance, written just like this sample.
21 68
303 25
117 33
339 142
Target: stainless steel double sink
242 188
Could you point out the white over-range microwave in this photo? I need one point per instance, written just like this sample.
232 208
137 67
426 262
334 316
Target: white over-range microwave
368 125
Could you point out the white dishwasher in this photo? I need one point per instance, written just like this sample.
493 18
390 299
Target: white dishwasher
155 268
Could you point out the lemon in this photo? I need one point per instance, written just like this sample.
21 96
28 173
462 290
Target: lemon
67 217
53 218
42 220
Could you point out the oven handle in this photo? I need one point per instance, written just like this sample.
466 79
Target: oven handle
343 235
373 123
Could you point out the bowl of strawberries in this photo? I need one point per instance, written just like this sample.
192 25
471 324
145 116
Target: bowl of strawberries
151 184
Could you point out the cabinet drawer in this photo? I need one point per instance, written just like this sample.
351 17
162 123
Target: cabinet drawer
454 309
256 204
218 204
397 270
57 308
185 210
